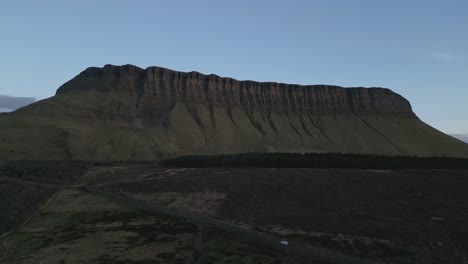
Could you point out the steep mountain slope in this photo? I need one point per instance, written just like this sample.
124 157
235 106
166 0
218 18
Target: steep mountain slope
462 137
129 113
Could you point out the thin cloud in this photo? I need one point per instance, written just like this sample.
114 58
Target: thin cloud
10 103
443 56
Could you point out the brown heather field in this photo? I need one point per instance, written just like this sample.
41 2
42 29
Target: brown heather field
379 216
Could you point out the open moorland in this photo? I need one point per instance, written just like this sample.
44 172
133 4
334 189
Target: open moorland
147 213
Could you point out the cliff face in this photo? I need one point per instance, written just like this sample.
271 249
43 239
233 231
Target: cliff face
129 113
160 84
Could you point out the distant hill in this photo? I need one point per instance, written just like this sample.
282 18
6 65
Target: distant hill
10 103
129 113
462 137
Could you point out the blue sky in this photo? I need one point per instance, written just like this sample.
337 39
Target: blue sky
416 48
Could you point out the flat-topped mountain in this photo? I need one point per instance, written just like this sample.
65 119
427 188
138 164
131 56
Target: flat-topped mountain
159 84
129 113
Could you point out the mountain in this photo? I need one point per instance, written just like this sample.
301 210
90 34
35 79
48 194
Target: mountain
462 137
129 113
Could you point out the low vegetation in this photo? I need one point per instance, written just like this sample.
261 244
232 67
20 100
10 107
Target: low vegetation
77 227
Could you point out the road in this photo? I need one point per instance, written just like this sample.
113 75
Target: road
294 247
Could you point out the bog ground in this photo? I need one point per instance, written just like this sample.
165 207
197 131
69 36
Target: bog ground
236 215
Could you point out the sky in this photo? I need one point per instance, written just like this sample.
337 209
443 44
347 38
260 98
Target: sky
417 48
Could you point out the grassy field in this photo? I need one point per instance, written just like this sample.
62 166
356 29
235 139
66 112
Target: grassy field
19 200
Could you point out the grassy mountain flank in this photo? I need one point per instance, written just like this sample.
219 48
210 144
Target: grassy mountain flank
106 118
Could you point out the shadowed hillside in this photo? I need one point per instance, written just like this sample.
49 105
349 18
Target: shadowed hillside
129 113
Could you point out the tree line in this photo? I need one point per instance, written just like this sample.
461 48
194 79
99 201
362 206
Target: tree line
317 160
